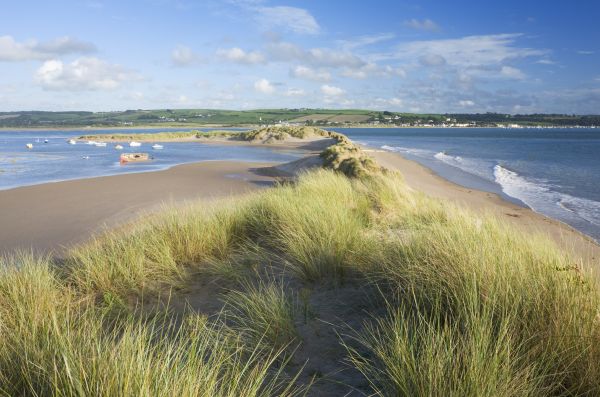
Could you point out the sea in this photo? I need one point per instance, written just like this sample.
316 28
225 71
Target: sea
57 160
554 171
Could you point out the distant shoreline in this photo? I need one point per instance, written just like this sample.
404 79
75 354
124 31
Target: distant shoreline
255 126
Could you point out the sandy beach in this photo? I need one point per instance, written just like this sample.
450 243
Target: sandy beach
51 216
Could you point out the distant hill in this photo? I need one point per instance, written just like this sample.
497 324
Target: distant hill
302 116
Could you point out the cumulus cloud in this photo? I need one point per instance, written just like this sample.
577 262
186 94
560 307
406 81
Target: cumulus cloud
371 69
425 24
316 57
184 56
83 74
14 51
295 19
465 103
238 55
307 73
264 86
512 73
331 91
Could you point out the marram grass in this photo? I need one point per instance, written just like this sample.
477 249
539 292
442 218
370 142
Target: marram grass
467 306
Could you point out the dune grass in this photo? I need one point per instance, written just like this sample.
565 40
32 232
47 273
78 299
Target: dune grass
465 305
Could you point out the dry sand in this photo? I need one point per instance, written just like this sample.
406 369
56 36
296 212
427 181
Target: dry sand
51 216
423 179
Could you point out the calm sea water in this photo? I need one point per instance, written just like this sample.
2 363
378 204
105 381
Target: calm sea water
555 172
58 161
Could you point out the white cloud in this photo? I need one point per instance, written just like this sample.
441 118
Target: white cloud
264 86
83 74
295 92
295 19
330 90
468 51
304 72
396 102
364 41
512 73
316 57
425 24
11 50
466 103
546 62
238 55
585 52
371 69
184 56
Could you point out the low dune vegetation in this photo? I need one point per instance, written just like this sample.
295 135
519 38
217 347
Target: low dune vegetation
342 282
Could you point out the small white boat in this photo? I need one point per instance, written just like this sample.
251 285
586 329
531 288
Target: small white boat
119 147
29 146
85 157
134 144
91 142
156 146
45 141
101 144
72 142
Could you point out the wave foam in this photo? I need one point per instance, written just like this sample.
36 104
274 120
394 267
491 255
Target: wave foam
471 166
542 198
413 151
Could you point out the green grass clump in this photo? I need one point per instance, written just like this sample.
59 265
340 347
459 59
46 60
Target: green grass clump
264 314
55 343
349 159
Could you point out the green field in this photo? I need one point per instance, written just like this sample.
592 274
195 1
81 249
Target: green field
321 117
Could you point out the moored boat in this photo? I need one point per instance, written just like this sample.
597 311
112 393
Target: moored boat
156 146
119 147
101 144
134 144
29 146
133 157
71 142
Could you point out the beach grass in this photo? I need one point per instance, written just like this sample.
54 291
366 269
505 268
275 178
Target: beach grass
340 282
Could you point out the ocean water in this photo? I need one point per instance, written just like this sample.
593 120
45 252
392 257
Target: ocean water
57 160
555 172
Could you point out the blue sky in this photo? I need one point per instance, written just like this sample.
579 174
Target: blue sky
417 56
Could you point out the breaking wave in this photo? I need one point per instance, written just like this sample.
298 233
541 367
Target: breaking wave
542 198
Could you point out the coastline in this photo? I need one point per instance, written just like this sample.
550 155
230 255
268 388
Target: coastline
427 181
50 216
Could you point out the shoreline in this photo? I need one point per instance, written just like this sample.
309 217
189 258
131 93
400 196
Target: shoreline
423 179
52 203
50 217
